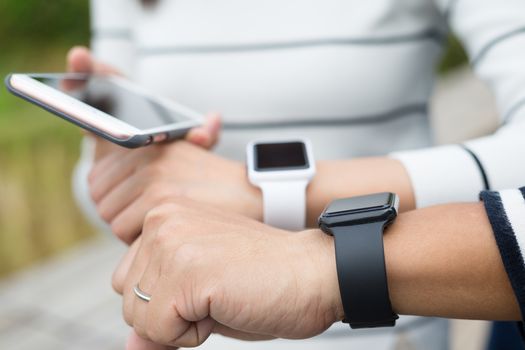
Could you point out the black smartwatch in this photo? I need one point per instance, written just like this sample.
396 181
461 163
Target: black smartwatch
357 225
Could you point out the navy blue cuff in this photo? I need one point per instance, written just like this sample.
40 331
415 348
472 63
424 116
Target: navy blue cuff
507 244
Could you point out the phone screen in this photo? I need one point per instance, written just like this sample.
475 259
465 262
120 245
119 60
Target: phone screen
119 99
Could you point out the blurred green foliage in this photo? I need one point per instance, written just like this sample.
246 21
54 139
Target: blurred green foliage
38 216
43 23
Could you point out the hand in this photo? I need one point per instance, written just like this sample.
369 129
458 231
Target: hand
212 271
126 186
80 60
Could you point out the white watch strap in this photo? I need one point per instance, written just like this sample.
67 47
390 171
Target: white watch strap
285 204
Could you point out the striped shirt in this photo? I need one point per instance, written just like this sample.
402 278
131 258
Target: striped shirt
355 77
357 74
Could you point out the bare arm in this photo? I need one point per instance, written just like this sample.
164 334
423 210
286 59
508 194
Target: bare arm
444 261
348 178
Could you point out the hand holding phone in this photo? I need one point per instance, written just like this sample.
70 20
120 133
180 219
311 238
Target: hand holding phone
80 60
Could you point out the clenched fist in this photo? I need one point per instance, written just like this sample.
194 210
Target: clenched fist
208 270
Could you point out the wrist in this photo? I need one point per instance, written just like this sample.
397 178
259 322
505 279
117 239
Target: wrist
253 201
317 194
359 176
320 254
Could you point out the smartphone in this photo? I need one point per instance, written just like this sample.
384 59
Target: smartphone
107 105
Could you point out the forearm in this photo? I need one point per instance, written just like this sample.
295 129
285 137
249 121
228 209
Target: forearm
347 178
443 261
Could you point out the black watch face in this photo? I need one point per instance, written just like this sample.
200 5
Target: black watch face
366 203
280 156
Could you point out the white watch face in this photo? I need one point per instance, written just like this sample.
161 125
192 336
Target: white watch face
282 169
280 156
280 160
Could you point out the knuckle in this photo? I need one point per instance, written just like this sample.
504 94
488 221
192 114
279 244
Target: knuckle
104 212
91 176
186 253
156 216
94 193
161 238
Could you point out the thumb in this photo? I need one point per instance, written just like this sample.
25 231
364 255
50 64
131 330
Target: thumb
208 134
79 60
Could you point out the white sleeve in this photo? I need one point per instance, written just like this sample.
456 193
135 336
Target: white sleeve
81 188
493 32
112 33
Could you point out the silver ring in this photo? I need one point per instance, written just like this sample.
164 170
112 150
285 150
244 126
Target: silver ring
140 294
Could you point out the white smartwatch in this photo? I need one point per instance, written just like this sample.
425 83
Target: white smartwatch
282 170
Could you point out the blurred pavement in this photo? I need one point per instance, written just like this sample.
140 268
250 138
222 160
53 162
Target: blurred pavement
68 303
65 303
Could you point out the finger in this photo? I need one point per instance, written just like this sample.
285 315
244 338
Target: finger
131 280
206 135
137 343
149 237
147 284
178 312
165 324
104 159
104 147
111 170
79 60
214 125
120 197
127 225
122 269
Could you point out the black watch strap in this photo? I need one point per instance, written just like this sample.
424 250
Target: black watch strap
361 271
